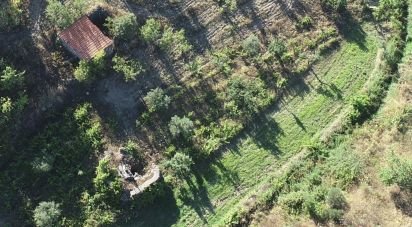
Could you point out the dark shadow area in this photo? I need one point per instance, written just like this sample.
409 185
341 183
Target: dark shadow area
162 212
197 197
329 90
403 201
267 138
351 30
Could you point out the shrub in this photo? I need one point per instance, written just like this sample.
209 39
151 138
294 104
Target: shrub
11 79
47 214
11 14
251 45
181 126
398 172
393 52
151 31
221 59
292 202
335 5
107 183
156 100
179 165
129 68
361 105
123 27
87 71
336 199
277 48
173 42
343 167
304 23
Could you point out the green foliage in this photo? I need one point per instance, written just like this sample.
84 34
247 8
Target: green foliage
156 100
393 52
181 126
47 214
129 68
277 48
215 135
174 42
195 66
222 60
361 105
179 165
123 27
11 14
91 128
388 9
305 22
169 40
151 31
227 6
336 199
293 202
335 5
63 15
246 96
88 71
343 167
11 79
398 171
107 183
251 45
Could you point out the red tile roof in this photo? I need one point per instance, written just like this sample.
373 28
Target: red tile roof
84 38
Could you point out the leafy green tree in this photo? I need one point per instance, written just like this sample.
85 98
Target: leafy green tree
399 171
156 100
47 214
244 96
129 68
151 31
251 45
277 48
174 42
122 27
179 165
11 78
63 15
181 126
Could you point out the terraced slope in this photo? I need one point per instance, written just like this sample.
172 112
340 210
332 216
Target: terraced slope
219 188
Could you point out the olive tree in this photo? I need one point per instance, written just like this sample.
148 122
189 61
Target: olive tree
156 100
47 214
251 45
181 126
277 48
151 31
178 165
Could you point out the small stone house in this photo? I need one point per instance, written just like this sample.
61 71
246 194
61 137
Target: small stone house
84 39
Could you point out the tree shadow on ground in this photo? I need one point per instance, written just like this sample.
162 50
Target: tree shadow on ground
197 197
329 90
268 135
350 29
403 201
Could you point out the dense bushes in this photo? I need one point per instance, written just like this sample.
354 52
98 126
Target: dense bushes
123 27
251 45
129 68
